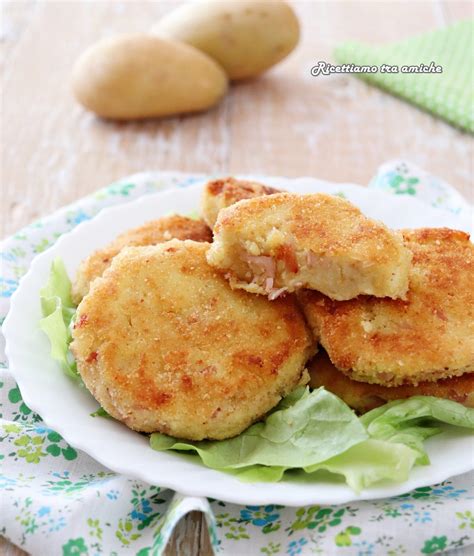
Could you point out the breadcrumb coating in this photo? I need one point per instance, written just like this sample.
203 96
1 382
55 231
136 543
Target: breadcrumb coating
427 337
363 397
151 233
222 193
164 344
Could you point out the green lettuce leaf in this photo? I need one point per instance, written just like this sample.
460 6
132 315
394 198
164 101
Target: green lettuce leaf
58 311
101 413
58 284
369 462
361 466
316 432
305 429
411 421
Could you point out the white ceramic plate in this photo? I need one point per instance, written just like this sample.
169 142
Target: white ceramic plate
66 407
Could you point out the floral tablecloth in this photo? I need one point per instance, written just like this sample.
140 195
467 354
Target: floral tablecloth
56 500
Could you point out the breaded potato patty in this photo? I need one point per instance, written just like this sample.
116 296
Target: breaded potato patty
286 242
151 233
363 397
222 193
427 337
164 344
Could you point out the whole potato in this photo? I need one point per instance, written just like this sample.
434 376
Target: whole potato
246 37
140 76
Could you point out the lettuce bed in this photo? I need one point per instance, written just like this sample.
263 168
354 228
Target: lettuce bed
308 432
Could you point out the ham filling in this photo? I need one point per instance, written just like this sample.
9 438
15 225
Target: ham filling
264 269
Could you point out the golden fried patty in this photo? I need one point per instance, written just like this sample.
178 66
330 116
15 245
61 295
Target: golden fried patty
151 233
427 337
364 397
165 345
285 242
222 193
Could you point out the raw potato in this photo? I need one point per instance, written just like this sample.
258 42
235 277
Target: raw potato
246 37
140 76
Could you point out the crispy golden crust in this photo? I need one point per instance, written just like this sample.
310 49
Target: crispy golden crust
151 233
285 242
364 397
425 338
222 193
165 345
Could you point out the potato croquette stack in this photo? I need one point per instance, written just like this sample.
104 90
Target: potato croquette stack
198 334
151 233
165 345
222 193
425 338
282 243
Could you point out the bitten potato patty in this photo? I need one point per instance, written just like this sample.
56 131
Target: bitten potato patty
151 233
363 397
286 242
222 193
427 337
164 344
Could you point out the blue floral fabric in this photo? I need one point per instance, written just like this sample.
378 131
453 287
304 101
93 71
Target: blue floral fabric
58 501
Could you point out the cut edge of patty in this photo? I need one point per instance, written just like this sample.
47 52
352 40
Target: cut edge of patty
276 257
248 267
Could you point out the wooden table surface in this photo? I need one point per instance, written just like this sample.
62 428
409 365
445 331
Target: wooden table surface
285 123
